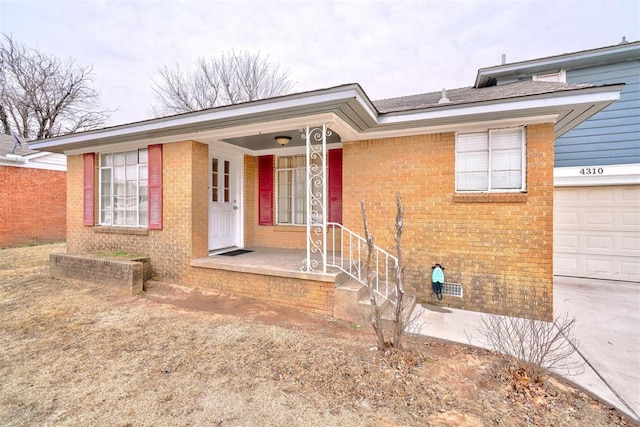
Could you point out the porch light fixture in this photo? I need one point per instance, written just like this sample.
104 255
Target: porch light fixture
283 140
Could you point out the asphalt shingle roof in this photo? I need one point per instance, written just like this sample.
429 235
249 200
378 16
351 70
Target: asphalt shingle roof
7 143
470 94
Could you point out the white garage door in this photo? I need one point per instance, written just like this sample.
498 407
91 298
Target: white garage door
597 232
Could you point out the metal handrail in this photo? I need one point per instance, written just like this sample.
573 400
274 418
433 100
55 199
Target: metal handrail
355 249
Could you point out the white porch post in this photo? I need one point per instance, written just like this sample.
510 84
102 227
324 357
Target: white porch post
316 198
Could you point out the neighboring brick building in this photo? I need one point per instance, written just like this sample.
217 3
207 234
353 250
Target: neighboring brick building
474 168
32 195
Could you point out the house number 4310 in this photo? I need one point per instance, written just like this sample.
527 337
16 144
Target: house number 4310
591 171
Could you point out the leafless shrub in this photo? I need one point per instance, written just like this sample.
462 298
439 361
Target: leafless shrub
534 346
402 308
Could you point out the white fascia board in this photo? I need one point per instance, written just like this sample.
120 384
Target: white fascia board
248 110
587 176
268 127
540 105
32 165
469 126
217 135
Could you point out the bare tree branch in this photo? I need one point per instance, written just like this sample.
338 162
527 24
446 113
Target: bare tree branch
230 79
42 96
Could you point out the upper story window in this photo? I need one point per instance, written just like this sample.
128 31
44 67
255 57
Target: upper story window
559 77
124 189
491 161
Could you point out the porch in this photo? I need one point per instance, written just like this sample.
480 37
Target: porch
276 262
282 277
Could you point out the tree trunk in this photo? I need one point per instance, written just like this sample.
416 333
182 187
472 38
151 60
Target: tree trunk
5 121
376 320
400 320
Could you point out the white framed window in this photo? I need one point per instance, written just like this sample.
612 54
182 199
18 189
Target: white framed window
291 176
124 189
493 161
559 77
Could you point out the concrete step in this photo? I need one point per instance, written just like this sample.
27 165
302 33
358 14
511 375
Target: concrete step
346 302
352 303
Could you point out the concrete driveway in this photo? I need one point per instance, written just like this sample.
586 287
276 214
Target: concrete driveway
607 329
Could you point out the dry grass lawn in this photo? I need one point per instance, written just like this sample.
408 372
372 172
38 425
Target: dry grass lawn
74 353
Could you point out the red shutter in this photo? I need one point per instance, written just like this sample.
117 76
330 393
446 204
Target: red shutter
155 186
335 186
88 196
265 190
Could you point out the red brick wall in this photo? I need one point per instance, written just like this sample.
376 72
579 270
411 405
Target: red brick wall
32 206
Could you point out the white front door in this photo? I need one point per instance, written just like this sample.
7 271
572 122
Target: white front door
223 201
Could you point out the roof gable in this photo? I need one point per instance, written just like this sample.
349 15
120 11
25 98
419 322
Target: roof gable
587 58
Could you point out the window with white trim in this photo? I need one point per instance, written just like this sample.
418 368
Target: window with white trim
291 175
491 161
124 189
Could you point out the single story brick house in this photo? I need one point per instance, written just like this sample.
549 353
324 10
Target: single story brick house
33 193
285 176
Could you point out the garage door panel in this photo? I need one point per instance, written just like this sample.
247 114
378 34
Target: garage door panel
565 265
565 242
630 266
630 219
630 243
597 265
598 194
597 232
599 243
599 219
630 194
565 196
568 219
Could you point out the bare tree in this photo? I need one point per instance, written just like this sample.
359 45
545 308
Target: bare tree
42 96
401 307
230 79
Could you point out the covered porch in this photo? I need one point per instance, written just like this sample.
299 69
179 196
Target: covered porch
276 262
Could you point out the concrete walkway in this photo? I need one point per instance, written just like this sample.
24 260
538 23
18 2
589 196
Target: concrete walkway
607 329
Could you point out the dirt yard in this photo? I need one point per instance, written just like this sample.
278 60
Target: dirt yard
73 353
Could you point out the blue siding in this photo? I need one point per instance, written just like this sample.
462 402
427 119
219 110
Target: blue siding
613 135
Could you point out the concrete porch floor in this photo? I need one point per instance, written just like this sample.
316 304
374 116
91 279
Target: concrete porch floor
268 261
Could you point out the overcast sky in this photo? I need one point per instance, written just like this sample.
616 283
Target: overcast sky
392 48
